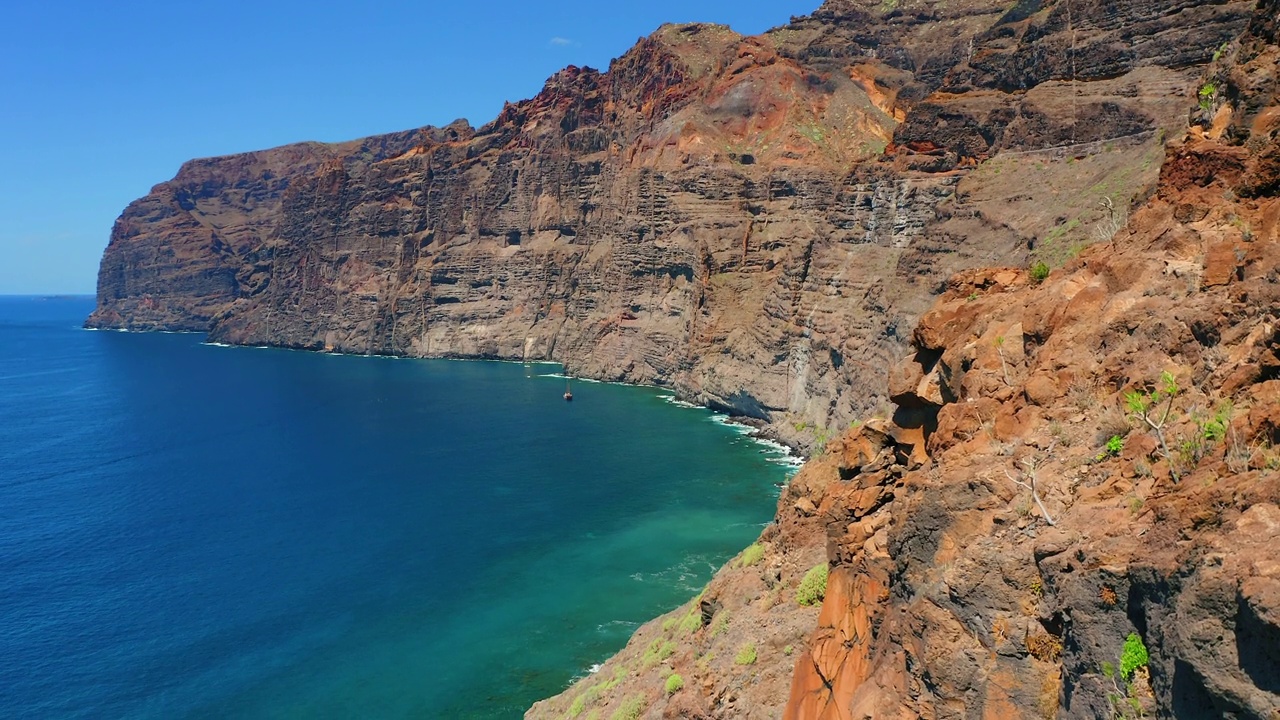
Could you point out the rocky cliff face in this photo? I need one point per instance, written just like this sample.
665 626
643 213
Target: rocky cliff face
1076 464
756 222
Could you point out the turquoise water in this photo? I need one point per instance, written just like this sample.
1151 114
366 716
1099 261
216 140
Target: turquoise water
189 531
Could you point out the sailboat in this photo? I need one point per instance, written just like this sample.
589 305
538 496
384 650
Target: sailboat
568 396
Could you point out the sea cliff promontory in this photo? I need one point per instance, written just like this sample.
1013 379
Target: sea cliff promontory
756 222
1009 271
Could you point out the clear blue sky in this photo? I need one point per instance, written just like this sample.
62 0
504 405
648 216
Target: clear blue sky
101 100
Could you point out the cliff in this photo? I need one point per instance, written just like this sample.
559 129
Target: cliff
755 222
829 221
1075 509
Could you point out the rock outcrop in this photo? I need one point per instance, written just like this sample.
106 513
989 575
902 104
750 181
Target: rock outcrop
756 222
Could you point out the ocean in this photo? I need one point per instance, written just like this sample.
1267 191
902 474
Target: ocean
193 531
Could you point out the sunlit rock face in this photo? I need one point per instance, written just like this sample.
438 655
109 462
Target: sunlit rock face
755 221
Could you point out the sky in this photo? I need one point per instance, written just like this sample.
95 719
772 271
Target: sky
101 100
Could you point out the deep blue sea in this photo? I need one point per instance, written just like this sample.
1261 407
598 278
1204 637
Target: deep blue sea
192 531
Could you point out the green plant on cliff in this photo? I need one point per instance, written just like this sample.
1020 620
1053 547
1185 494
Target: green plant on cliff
752 555
720 625
674 684
1039 271
1153 410
1112 448
1133 656
657 651
1207 94
746 655
631 709
813 588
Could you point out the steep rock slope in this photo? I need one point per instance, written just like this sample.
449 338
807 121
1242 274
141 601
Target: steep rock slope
753 221
994 547
967 594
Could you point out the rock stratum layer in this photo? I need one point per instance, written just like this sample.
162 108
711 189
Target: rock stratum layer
1076 464
756 222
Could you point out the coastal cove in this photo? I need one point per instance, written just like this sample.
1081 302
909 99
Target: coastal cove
198 531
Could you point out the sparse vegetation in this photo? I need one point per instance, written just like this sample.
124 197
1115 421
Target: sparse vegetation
1133 656
746 655
692 620
1113 447
813 587
752 555
1045 647
631 709
674 684
1146 408
1028 481
1207 95
1039 271
720 625
657 651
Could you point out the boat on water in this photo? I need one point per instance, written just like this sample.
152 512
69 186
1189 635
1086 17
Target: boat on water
568 396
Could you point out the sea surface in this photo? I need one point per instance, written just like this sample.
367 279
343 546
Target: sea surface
192 531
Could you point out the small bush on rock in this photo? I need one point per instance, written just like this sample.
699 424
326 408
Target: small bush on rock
813 588
1039 271
674 684
1133 656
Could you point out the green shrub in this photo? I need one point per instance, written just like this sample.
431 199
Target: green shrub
1039 271
579 704
631 709
752 555
658 651
1208 93
746 655
674 684
813 588
1133 656
1115 445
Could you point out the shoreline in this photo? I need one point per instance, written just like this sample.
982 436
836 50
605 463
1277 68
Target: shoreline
758 431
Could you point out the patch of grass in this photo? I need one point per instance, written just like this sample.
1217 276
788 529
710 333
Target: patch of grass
631 709
746 655
788 650
813 588
577 706
691 621
752 555
674 684
595 691
657 651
